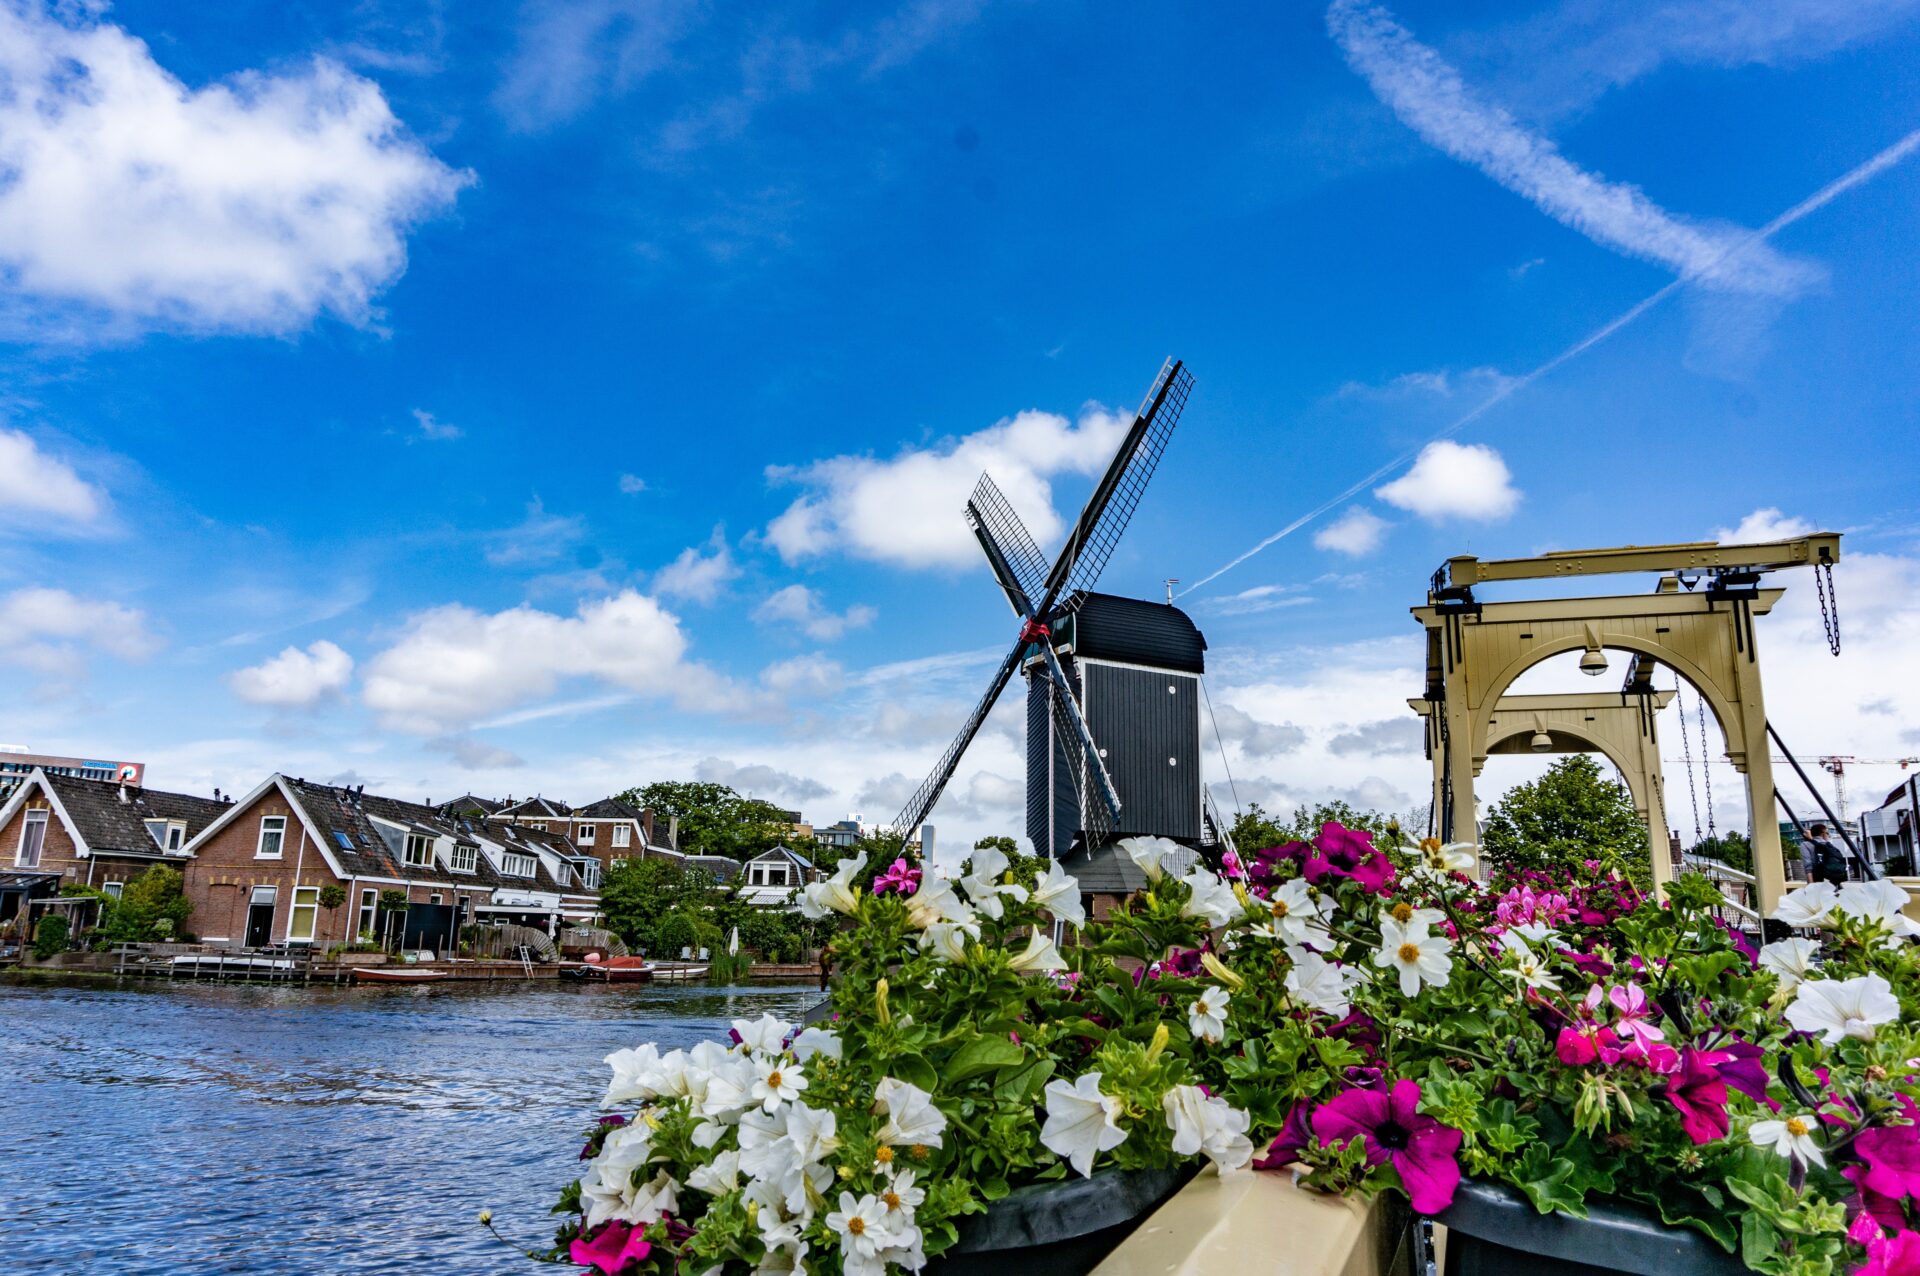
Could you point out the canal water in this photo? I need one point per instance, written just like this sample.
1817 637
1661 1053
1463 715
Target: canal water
150 1129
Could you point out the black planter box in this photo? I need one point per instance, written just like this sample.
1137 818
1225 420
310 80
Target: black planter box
1493 1230
1060 1229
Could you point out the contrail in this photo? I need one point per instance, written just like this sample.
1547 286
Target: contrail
1813 203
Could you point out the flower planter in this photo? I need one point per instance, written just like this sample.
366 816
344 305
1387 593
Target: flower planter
1062 1229
1493 1230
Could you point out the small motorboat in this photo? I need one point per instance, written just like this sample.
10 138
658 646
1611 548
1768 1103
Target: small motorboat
397 975
679 973
615 970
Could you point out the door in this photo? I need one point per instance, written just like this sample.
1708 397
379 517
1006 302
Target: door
260 917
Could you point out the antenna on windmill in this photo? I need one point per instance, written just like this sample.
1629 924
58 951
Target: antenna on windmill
1171 582
1067 767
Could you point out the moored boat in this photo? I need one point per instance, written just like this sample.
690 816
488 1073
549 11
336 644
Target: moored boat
618 970
397 975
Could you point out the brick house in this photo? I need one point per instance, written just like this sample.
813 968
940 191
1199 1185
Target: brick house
255 874
59 830
609 831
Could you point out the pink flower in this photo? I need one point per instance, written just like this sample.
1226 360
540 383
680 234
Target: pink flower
1743 1071
1391 1128
1578 1047
901 877
1635 1014
1230 865
1658 1057
611 1249
1896 1255
1287 1145
1892 1154
1700 1096
1877 1209
1343 852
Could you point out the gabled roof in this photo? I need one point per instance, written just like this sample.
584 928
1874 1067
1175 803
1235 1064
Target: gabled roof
786 853
102 824
607 808
536 808
1111 871
722 868
469 803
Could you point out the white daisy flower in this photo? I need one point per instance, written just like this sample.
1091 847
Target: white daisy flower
1207 1016
1419 956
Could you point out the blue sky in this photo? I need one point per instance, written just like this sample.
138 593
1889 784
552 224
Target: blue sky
561 397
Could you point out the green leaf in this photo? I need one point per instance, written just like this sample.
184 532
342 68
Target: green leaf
1547 1181
916 1071
982 1054
1758 1241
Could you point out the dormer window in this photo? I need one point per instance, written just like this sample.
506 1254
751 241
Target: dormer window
465 859
538 826
589 873
586 835
419 852
620 834
515 864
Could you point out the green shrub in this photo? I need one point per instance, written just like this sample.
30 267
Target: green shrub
675 931
50 936
153 905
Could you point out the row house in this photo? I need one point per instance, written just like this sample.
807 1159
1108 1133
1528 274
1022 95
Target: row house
60 830
607 831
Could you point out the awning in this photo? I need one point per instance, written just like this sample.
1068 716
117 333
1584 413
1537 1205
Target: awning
31 883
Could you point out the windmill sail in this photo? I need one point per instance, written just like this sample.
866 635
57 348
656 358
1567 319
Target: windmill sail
1009 547
1110 508
922 802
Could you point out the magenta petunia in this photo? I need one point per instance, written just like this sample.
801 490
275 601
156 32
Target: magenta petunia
1896 1255
1878 1211
1739 1065
1287 1145
900 876
612 1249
1892 1154
1700 1095
1392 1128
1339 851
1580 1046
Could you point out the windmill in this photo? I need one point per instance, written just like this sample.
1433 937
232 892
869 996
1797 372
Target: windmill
1112 683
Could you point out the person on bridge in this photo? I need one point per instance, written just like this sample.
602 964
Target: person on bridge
1824 861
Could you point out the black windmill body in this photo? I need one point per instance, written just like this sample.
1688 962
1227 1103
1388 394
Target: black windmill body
1113 690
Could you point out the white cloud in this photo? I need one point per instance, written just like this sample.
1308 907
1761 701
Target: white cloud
804 675
46 630
435 430
476 755
253 205
1764 525
36 487
759 780
1430 97
539 538
1454 480
632 485
906 511
695 576
571 54
295 679
1249 602
800 607
1442 383
1256 739
1358 532
454 666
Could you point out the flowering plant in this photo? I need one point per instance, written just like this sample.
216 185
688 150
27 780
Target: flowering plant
1366 1014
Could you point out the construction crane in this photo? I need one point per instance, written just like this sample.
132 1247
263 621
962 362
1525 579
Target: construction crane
1836 766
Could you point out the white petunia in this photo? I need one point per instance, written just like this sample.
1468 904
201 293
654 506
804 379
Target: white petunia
776 1082
1528 967
1059 895
912 1119
812 1132
1212 899
765 1035
718 1176
1207 1016
936 902
1081 1121
652 1199
1790 959
1841 1008
1792 1137
1420 957
606 1189
1201 1123
1321 985
1436 861
1039 954
1809 906
948 940
1535 932
1151 854
836 894
1879 901
983 883
636 1076
813 1041
1298 913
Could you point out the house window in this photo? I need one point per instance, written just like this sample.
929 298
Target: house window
306 915
33 836
465 858
586 834
514 864
176 836
434 898
463 907
273 835
369 902
538 825
589 873
157 830
113 889
620 834
419 852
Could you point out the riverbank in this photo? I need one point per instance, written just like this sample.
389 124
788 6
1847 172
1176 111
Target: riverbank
308 1131
212 969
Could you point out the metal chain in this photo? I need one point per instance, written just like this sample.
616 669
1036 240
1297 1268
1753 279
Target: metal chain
1706 770
1686 754
1829 604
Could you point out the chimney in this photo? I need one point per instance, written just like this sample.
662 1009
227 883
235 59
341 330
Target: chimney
673 831
124 799
646 825
216 793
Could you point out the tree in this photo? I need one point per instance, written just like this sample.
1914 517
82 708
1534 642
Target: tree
1731 849
714 819
1570 814
639 894
153 905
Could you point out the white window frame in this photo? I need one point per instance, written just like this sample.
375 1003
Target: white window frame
27 825
589 874
176 837
434 898
113 889
512 858
621 835
411 849
465 858
271 824
537 825
306 899
586 834
369 908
